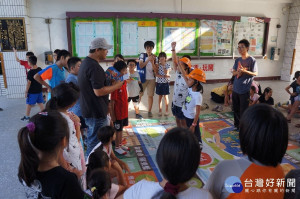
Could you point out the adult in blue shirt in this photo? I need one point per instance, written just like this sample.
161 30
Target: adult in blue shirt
244 70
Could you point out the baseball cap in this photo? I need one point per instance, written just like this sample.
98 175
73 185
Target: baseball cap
100 43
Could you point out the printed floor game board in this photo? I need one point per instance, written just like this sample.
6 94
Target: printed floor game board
220 142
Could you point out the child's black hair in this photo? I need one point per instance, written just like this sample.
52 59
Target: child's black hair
267 90
149 43
231 80
105 134
131 60
253 88
73 61
97 160
44 133
119 56
199 86
187 56
175 167
99 183
245 42
296 75
63 96
28 54
293 191
32 60
162 54
120 65
64 54
56 51
264 131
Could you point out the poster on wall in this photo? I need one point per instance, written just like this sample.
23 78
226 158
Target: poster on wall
12 34
253 31
84 31
135 33
184 33
216 38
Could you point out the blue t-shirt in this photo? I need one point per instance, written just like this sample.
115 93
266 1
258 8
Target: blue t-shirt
242 84
76 108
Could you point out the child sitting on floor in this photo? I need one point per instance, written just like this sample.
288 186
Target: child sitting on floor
266 97
99 184
106 136
100 160
253 96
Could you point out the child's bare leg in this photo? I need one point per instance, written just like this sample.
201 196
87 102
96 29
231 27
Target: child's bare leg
183 123
118 138
293 110
159 103
28 109
166 102
41 105
136 108
121 178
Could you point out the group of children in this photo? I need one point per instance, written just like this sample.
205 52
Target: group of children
53 163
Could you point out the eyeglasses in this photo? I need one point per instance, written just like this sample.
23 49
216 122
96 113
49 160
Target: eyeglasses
241 47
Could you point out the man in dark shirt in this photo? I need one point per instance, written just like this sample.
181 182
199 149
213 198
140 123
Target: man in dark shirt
244 70
94 90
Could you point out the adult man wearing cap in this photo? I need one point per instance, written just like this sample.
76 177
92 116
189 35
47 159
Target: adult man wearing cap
94 90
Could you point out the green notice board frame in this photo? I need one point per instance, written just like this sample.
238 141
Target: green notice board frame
75 20
180 24
157 44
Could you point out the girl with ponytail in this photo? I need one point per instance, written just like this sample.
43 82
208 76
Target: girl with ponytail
178 157
41 141
65 96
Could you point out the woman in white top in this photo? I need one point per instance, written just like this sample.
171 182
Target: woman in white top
177 157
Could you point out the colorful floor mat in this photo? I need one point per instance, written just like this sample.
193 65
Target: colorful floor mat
219 143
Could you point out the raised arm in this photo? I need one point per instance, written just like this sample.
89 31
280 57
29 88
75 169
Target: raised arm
174 57
17 58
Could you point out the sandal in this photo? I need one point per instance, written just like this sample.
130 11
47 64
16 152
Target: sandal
297 125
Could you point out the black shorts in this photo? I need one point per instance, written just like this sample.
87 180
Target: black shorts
134 99
119 124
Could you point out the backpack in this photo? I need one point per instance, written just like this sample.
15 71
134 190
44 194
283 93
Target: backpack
142 71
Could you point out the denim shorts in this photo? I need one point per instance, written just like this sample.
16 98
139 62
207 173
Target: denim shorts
177 112
162 89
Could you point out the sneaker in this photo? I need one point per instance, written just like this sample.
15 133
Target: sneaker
204 106
120 151
138 116
166 113
25 118
159 113
150 114
124 147
216 108
219 109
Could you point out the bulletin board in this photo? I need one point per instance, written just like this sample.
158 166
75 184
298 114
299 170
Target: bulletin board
134 33
85 30
184 32
12 34
253 30
200 36
216 37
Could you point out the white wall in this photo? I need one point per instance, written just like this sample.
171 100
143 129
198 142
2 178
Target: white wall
56 9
